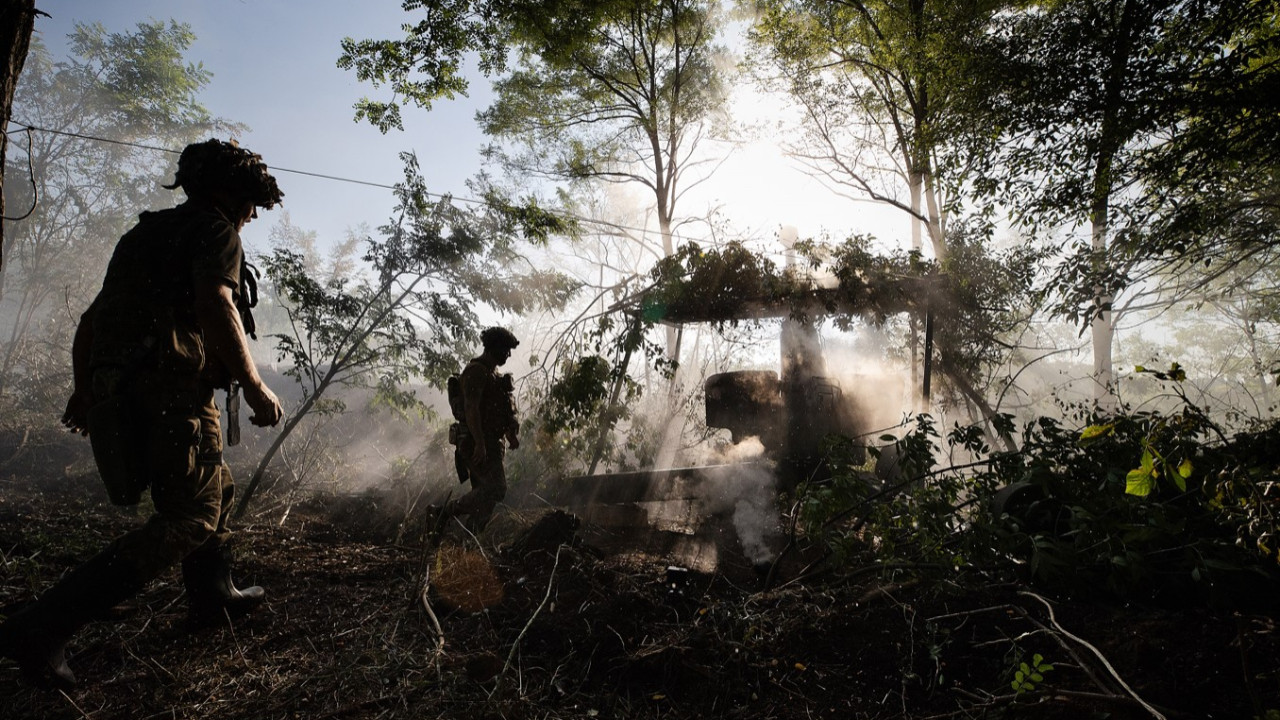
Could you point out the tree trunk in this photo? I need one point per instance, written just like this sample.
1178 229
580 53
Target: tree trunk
916 182
1101 328
17 21
668 249
1111 140
937 231
607 427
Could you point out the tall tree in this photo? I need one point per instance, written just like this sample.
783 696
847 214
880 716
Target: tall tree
878 89
1086 106
1211 180
617 91
602 90
612 91
875 82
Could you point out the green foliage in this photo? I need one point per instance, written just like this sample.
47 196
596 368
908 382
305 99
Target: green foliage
144 75
578 397
1157 531
415 314
1148 548
1209 182
879 80
719 282
730 284
1147 119
608 90
988 297
1029 676
1168 447
1063 514
575 416
915 516
581 61
976 296
427 64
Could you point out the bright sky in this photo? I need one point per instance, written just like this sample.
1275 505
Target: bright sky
274 69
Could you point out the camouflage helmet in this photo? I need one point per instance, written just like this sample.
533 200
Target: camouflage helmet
498 338
216 164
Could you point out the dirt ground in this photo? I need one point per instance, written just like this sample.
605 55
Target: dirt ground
539 619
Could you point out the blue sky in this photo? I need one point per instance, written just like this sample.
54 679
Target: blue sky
274 69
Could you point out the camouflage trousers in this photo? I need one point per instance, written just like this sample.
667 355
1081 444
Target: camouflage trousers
488 483
191 488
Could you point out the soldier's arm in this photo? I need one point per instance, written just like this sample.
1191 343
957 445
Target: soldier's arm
225 343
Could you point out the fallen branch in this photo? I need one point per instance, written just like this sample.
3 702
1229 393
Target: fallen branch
431 615
1098 653
1084 666
988 701
525 630
969 613
73 704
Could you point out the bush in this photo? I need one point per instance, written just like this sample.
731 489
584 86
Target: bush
1139 506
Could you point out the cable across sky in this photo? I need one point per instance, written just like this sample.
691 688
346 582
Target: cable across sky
28 127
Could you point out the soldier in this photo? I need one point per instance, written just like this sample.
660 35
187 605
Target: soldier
489 410
166 329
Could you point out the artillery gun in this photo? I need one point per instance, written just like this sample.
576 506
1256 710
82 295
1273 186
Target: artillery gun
792 412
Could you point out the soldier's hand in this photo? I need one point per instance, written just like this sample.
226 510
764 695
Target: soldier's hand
266 407
76 416
513 441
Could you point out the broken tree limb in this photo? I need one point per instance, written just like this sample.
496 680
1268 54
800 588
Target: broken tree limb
551 579
1097 653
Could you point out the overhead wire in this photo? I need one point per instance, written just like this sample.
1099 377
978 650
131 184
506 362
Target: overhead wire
29 128
35 188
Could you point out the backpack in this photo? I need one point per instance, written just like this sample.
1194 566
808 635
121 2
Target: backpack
453 389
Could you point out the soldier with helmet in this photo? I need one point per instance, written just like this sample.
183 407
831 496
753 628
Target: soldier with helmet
166 330
489 420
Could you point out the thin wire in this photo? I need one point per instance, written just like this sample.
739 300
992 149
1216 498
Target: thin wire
29 127
31 172
336 178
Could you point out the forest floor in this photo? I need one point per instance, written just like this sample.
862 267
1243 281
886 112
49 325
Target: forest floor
538 619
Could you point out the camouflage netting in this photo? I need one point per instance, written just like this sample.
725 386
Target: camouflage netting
216 164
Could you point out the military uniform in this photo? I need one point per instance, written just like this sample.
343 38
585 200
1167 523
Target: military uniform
498 419
148 352
150 369
143 393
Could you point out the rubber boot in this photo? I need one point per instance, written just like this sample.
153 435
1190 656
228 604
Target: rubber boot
212 596
36 636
